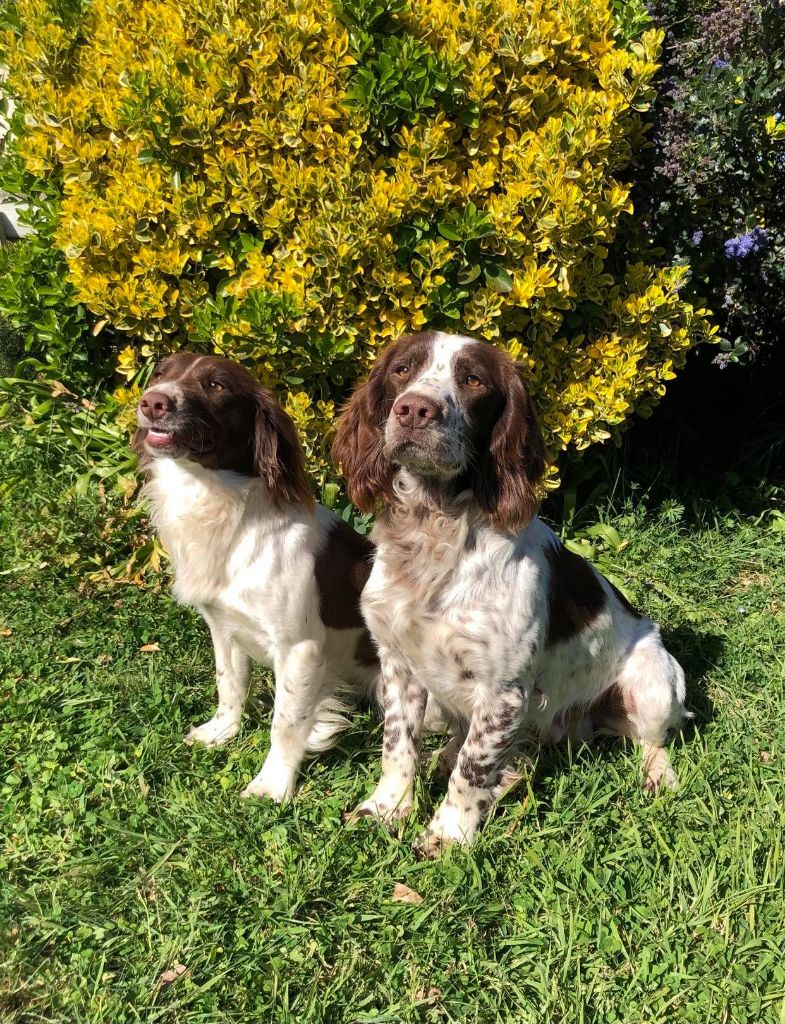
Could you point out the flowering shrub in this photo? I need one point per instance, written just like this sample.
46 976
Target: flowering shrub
715 187
293 185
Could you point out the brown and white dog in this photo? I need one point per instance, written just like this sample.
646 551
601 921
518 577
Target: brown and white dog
472 599
276 577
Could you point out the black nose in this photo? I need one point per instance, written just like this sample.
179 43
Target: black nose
155 404
417 411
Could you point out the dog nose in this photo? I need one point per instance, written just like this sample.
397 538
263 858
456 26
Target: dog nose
417 411
155 404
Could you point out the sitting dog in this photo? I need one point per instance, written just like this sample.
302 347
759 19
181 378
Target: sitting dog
475 601
276 577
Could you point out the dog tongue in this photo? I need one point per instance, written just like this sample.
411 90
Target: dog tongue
158 439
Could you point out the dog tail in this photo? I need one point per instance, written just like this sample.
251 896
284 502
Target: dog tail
332 712
330 721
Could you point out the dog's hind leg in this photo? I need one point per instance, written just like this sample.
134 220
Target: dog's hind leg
649 705
232 677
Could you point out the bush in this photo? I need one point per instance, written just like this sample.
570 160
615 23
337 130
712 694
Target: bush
715 187
293 185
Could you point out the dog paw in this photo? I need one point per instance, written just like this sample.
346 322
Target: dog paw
214 733
353 816
656 780
430 845
657 771
278 787
378 810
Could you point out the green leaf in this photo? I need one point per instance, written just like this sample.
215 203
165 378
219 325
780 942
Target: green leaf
448 231
498 278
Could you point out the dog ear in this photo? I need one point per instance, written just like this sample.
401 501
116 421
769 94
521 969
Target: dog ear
358 448
277 454
511 466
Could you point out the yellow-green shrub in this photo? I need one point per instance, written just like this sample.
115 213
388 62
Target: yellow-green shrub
295 183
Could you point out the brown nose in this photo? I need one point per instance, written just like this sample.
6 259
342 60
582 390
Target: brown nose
417 411
155 404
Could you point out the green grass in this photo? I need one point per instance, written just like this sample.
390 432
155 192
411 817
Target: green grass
125 852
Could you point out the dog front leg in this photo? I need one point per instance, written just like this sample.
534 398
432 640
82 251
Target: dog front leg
232 677
403 701
299 682
477 777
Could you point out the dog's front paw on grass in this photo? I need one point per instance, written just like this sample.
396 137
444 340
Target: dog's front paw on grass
276 787
658 774
384 813
431 845
214 733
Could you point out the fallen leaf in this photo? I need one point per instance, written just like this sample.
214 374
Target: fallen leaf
427 995
403 894
172 975
59 389
150 648
104 659
5 631
765 756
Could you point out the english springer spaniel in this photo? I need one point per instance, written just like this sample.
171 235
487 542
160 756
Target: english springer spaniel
276 577
472 598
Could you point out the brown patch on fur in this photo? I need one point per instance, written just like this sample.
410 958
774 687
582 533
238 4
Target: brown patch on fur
365 651
613 710
575 595
342 569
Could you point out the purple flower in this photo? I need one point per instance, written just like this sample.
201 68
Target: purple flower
748 244
697 236
721 65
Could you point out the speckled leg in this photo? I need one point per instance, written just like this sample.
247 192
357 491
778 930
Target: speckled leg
404 703
478 773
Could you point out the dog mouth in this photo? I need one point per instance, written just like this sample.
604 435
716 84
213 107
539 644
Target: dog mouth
159 441
428 455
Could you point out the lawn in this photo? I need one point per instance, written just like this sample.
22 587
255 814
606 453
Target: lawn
126 853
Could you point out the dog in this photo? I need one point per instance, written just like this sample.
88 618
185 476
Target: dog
276 577
472 598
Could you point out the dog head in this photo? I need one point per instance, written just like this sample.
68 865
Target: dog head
212 411
452 411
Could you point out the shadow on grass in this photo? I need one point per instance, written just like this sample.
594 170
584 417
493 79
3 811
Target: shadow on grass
698 654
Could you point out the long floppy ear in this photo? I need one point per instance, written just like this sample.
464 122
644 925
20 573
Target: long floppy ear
277 454
512 464
359 441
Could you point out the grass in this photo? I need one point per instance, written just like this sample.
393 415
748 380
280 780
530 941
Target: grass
127 853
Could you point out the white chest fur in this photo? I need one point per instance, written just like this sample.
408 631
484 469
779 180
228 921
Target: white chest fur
247 563
458 601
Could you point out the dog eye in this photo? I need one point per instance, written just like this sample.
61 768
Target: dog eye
472 381
215 385
401 370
